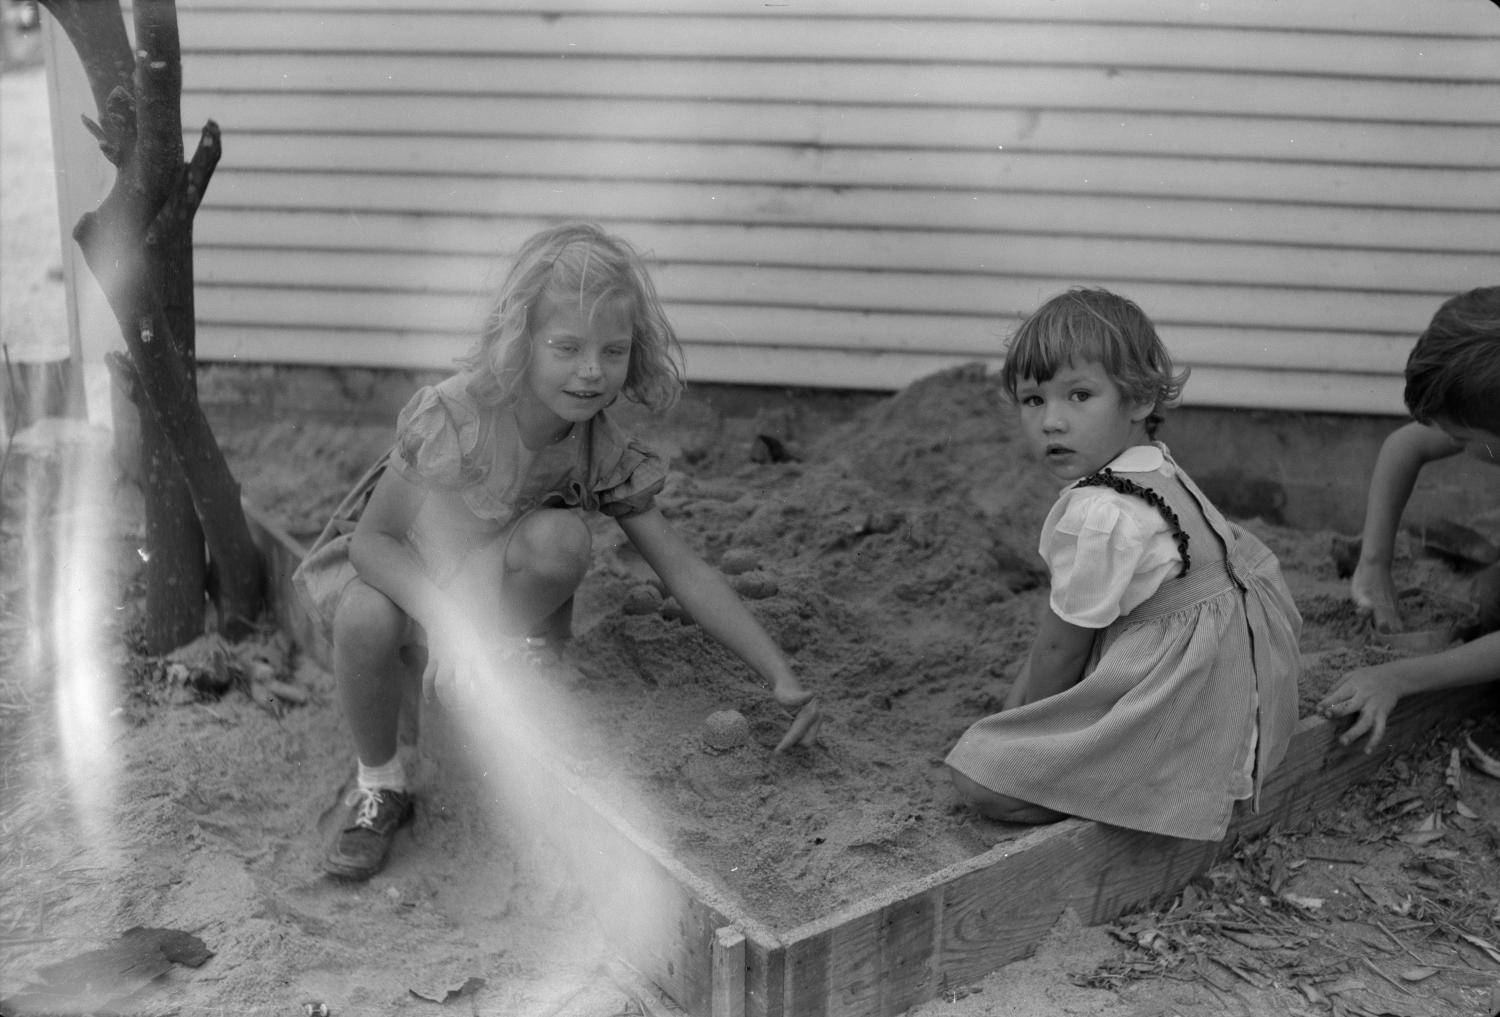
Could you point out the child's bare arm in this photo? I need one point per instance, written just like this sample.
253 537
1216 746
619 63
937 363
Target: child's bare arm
1372 692
1402 456
704 594
1058 655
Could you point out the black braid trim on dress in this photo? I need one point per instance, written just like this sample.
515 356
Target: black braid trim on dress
1108 478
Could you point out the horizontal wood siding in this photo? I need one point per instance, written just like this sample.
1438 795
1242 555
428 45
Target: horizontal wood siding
850 194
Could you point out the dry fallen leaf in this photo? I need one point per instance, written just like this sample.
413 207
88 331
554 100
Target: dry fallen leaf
1384 897
1305 903
1404 800
1486 947
1482 760
443 990
1428 830
1256 940
1153 940
1344 985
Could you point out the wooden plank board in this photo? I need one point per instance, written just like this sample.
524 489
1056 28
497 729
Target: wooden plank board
1056 210
765 979
936 169
1437 17
1386 100
996 908
487 51
801 366
986 298
224 233
729 326
280 555
661 917
877 962
905 37
997 286
729 967
254 113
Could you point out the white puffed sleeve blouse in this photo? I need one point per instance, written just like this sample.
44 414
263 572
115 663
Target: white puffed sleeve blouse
1106 551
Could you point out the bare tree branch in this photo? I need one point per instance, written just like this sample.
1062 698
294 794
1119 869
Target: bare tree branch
96 29
158 81
138 244
184 202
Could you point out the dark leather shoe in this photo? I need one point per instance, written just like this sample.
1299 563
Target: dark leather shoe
373 818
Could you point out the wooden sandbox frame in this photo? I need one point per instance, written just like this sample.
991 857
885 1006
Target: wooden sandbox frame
891 951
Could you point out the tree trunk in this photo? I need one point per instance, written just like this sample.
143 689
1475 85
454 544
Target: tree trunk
175 570
138 244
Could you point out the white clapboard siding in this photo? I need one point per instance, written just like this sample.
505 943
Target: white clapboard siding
929 170
1411 229
244 237
854 194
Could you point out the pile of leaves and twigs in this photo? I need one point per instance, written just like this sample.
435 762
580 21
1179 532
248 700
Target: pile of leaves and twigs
260 667
1388 907
38 585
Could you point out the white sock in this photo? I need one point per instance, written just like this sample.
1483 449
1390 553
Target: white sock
390 775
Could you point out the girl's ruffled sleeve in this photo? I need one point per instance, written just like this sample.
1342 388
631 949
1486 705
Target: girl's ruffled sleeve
642 472
436 436
625 474
1106 555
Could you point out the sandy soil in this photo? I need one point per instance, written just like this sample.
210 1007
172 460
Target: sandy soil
890 553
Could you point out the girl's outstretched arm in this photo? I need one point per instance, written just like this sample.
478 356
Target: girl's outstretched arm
1058 655
704 594
1370 693
1402 455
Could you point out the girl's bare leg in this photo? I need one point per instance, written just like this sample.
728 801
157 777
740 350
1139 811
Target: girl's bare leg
368 633
539 568
1003 808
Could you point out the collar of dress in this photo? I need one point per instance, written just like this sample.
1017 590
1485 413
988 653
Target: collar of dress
1140 459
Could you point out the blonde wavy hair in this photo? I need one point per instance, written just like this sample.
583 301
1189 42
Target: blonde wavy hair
576 261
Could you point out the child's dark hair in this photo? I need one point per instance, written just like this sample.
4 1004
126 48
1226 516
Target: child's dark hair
1453 373
1096 325
580 262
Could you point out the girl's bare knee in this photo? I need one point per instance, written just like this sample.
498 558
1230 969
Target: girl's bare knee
552 544
367 624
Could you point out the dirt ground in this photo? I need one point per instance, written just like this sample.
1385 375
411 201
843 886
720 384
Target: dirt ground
886 544
162 818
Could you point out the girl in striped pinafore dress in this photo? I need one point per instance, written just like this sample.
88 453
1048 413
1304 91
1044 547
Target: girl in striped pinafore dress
1162 684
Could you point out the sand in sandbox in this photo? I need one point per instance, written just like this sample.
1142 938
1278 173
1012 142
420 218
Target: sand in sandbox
893 557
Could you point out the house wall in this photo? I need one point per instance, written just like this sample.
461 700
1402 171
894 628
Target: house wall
851 194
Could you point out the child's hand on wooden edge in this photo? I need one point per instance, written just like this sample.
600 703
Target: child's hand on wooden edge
1367 692
804 729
